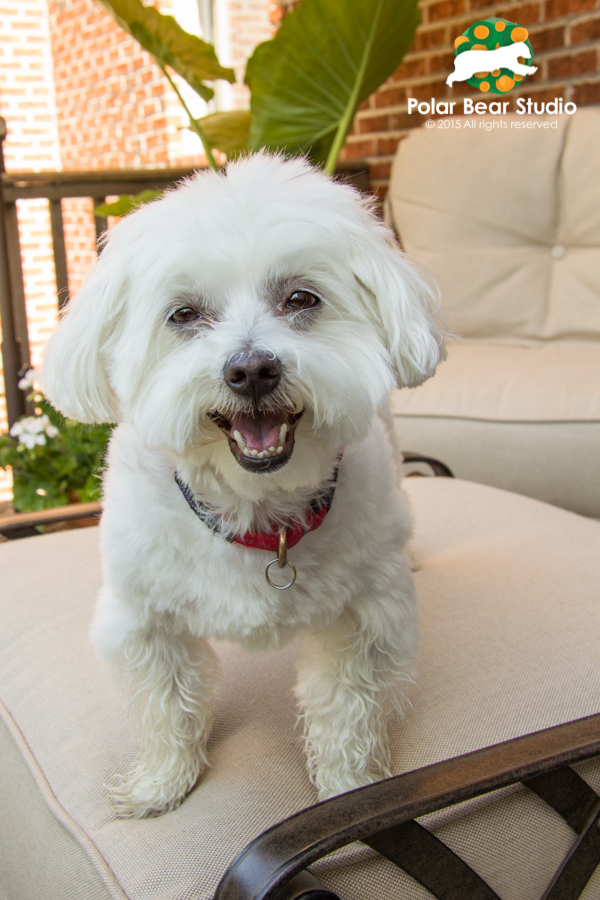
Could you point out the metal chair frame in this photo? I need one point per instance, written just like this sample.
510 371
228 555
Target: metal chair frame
383 815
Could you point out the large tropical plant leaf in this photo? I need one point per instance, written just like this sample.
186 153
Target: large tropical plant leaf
227 131
166 40
126 203
327 57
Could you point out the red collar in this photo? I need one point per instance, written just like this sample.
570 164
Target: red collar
269 540
265 540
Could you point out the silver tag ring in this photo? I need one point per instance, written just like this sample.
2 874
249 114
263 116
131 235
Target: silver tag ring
280 587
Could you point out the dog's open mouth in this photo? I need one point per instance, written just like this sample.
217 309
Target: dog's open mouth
260 441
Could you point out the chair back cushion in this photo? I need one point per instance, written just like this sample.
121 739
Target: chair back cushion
504 211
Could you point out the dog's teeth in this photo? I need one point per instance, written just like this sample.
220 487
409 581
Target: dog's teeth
239 440
254 452
283 433
262 454
271 449
247 451
299 407
280 449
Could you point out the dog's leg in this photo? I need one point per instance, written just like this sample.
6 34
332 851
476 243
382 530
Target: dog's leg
168 676
350 675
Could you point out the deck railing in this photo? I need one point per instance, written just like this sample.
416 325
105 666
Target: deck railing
54 187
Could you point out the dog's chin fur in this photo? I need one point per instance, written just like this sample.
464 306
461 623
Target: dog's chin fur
271 257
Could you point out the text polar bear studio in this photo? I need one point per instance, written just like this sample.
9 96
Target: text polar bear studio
469 63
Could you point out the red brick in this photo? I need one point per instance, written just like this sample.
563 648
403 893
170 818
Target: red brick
430 39
399 121
411 68
445 9
541 96
389 97
379 171
585 31
386 146
576 64
361 148
547 39
528 14
373 123
584 94
445 62
431 89
557 8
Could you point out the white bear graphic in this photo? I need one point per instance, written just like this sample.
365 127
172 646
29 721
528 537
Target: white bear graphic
471 61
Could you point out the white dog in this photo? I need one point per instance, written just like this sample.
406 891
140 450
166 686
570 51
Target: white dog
244 331
470 62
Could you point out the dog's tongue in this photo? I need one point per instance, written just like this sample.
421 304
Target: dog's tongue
260 431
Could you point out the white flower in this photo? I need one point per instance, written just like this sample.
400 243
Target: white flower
41 492
37 424
31 440
30 380
27 381
30 430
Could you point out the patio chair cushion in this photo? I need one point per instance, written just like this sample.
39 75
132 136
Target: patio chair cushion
504 213
522 418
507 222
510 622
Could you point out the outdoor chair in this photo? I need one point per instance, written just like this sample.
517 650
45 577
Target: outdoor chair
510 624
507 221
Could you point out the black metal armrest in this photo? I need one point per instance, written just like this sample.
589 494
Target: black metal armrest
25 524
382 815
439 468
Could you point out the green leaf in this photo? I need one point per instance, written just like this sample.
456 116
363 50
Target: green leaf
228 131
126 203
166 40
327 57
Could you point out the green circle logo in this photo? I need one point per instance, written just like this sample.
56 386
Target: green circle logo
506 68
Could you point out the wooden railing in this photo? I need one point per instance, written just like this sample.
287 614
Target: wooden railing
54 186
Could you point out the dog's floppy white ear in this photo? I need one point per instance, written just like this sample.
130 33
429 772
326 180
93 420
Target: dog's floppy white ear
74 375
403 303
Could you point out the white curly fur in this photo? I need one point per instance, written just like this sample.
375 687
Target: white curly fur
232 242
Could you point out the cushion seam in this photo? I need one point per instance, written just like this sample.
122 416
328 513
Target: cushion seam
58 811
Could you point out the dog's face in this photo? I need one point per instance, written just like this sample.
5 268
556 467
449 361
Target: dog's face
244 316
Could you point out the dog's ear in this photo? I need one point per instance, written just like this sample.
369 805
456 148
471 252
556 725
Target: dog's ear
403 303
74 373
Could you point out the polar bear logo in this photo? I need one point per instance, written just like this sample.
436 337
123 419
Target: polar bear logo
471 62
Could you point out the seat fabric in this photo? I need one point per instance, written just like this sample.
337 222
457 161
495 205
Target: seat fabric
510 625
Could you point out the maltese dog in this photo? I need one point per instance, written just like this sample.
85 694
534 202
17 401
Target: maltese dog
245 332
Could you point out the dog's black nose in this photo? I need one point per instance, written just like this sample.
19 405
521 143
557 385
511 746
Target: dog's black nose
253 374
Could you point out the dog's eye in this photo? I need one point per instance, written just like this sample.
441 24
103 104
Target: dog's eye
185 316
302 300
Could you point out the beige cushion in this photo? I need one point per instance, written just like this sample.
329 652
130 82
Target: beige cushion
507 221
523 418
510 623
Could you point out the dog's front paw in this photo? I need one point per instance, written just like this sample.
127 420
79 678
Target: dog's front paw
142 794
330 784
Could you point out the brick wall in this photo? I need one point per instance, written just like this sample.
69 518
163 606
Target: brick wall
244 24
565 35
27 103
78 93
